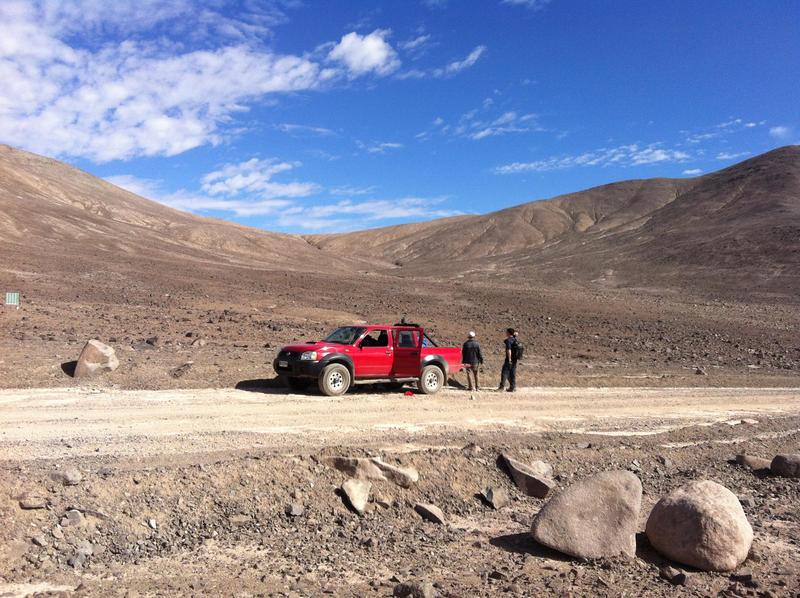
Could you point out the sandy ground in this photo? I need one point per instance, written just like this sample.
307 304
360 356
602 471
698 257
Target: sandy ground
39 423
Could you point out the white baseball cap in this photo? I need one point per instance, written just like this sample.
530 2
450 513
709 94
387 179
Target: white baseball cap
471 334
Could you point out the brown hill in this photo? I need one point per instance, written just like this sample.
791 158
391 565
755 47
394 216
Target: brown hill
734 230
53 215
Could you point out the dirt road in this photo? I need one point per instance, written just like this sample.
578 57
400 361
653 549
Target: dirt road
43 423
185 492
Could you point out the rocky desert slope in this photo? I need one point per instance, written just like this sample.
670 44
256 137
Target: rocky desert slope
735 231
659 282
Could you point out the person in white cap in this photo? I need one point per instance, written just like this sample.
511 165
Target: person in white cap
472 358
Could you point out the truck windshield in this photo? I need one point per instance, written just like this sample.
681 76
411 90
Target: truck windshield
346 335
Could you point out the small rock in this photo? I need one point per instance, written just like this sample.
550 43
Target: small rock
82 552
199 342
71 517
787 466
152 524
534 479
701 524
95 358
39 540
357 493
430 512
594 517
414 590
294 510
665 461
754 463
747 501
700 372
674 576
33 503
497 497
471 450
179 371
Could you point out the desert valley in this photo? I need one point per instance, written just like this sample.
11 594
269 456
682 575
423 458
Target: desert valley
661 319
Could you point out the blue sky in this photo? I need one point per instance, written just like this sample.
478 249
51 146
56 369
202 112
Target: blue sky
325 116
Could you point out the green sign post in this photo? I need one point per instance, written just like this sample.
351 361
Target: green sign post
12 299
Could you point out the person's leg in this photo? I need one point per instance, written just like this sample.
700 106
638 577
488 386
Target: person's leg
469 377
503 375
512 376
475 371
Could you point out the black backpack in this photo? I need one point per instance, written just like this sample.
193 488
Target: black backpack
519 350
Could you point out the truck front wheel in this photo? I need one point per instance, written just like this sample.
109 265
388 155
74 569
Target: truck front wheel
334 380
431 379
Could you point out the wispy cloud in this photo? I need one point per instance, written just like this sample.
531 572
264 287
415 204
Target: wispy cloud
623 156
254 176
379 147
449 70
291 128
693 171
291 213
459 65
731 155
484 122
531 4
780 132
723 129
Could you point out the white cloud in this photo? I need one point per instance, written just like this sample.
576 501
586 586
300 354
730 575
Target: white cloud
459 65
291 128
379 148
291 213
623 156
415 44
693 171
723 129
362 54
129 97
780 132
255 177
531 4
731 155
352 190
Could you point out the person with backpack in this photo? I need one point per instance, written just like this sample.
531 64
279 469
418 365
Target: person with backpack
472 358
512 353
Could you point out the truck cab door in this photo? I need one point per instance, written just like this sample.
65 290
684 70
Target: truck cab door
374 354
406 353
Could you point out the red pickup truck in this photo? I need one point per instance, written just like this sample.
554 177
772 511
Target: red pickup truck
368 354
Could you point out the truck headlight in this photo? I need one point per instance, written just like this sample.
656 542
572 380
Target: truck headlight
309 356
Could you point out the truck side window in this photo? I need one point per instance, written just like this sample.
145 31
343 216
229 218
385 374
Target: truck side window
376 338
406 338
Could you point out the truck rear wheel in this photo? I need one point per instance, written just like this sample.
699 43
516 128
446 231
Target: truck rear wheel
334 380
431 379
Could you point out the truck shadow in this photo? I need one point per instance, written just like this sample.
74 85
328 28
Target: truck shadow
272 386
276 386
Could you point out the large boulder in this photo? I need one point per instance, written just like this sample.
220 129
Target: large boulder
534 479
594 517
701 524
787 466
96 358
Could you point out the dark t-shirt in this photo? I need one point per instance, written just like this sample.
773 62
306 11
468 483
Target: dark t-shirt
509 346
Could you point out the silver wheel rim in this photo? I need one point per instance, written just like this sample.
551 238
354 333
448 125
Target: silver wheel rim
336 380
431 380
